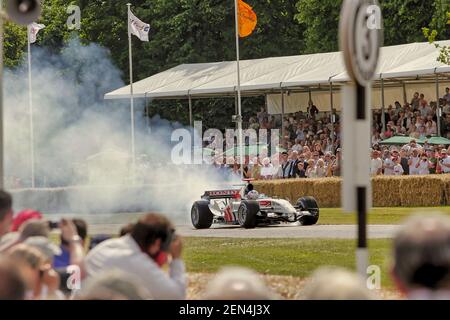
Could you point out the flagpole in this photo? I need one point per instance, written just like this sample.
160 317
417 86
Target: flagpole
133 150
239 120
30 102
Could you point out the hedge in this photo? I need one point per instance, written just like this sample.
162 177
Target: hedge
392 191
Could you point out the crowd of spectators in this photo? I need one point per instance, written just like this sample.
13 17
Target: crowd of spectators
145 262
311 142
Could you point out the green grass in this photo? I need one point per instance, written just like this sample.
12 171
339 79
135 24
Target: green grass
376 216
292 257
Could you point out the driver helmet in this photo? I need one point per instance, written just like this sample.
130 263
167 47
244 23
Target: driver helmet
253 195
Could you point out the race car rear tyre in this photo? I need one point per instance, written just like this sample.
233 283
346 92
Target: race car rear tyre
247 214
201 216
309 204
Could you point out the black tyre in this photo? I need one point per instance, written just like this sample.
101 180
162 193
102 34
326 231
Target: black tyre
201 216
247 214
309 204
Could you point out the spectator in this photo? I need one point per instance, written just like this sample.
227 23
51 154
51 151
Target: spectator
376 165
336 284
321 170
114 285
39 276
12 284
137 254
73 237
413 162
311 170
447 96
444 161
234 283
388 164
267 169
423 167
422 257
415 102
6 213
398 168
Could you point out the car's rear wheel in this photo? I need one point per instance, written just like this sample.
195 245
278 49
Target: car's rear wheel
308 204
247 214
201 216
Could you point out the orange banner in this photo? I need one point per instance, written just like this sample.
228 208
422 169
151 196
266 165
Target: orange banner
247 19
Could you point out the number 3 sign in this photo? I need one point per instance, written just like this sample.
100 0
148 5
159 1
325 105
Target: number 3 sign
360 38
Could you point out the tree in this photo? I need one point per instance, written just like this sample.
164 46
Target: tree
432 34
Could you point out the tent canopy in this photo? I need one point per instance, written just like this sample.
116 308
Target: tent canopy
400 140
267 75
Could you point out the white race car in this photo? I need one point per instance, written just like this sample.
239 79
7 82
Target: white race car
245 207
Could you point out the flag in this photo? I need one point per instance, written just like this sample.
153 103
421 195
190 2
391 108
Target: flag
247 19
138 28
33 30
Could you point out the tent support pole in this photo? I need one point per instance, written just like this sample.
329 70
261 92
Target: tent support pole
383 117
332 114
147 114
190 112
405 99
282 114
438 111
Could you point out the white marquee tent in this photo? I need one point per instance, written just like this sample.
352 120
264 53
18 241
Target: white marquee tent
402 70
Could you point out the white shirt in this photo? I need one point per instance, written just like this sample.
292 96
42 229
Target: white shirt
447 162
375 166
398 170
412 168
125 255
388 163
267 172
424 167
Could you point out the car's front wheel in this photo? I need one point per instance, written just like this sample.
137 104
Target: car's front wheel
201 215
247 214
308 204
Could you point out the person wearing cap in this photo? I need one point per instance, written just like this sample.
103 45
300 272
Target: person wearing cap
444 161
388 164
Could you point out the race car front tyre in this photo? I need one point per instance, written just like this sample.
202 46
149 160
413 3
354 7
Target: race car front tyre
308 204
247 214
201 216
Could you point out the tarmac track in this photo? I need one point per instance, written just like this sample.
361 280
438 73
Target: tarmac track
279 231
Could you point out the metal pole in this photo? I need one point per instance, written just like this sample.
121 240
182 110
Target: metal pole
438 110
361 193
133 149
147 113
383 118
332 114
405 99
282 114
2 154
30 101
191 123
241 147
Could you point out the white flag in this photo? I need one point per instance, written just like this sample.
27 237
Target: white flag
138 28
33 30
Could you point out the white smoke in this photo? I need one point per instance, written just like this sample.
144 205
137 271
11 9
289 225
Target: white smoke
82 142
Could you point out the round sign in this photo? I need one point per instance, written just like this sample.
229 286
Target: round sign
360 38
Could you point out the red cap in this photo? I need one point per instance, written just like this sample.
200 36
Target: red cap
23 217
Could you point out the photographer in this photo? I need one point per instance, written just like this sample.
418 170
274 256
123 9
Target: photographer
141 253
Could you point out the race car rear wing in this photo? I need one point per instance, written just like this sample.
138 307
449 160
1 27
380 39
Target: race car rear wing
222 194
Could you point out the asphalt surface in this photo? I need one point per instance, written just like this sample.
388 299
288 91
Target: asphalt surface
280 231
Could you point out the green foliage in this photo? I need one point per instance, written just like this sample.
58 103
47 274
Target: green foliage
193 31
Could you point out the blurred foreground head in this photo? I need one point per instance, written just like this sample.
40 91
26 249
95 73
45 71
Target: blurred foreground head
336 284
113 285
12 284
235 283
422 254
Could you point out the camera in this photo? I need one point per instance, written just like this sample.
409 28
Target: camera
53 225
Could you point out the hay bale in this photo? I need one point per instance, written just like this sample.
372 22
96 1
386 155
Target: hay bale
327 192
422 191
386 191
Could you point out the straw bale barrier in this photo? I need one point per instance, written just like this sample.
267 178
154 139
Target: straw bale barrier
405 191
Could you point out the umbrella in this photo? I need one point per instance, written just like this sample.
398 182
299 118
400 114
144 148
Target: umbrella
439 140
399 140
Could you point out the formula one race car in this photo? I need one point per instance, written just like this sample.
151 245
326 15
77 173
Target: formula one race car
246 207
